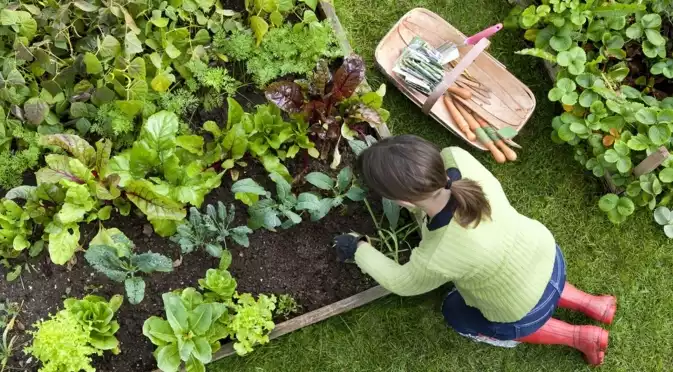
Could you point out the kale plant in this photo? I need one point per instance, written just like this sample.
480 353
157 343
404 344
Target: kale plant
111 253
210 231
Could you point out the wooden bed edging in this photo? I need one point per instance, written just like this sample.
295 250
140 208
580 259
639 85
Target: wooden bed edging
315 316
351 302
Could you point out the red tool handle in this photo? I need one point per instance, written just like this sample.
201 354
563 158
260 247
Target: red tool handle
472 40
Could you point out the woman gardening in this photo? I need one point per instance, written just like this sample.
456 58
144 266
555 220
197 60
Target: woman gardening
508 271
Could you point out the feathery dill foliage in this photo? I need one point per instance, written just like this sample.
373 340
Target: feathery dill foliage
24 156
290 49
216 80
180 101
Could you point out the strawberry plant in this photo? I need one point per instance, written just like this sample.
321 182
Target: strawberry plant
611 79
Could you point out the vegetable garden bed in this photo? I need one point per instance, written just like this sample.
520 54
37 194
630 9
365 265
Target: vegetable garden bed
295 264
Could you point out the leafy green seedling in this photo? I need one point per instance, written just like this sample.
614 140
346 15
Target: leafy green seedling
617 209
574 59
286 306
219 285
111 253
210 231
96 314
273 213
664 67
564 91
620 155
561 39
342 187
189 332
664 217
649 26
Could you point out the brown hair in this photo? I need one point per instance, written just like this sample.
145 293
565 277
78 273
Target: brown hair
411 169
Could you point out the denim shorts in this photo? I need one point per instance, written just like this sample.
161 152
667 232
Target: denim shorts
469 320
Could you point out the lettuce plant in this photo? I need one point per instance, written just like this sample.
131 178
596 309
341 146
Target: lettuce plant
252 321
219 285
188 334
210 231
96 315
264 134
111 253
15 229
62 344
339 189
67 340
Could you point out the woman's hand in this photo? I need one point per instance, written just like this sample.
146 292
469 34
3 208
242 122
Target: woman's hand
346 245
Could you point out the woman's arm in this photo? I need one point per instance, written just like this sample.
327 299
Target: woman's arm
411 279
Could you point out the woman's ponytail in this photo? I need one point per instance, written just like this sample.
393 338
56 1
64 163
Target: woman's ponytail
411 169
471 203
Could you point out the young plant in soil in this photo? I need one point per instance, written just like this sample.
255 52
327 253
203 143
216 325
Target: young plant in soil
286 306
210 231
394 236
71 189
164 171
328 103
268 212
8 321
264 134
69 338
341 188
111 253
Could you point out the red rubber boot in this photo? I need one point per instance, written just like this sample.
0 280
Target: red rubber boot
601 308
592 341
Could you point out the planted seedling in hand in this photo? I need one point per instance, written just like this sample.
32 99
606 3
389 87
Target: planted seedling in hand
342 187
111 253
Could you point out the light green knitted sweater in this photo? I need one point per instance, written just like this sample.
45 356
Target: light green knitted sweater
500 267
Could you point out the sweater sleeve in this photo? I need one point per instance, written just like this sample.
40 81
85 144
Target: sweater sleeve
412 278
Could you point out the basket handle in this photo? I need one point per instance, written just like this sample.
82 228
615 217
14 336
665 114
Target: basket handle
454 74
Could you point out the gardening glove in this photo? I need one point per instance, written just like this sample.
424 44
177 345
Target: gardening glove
346 245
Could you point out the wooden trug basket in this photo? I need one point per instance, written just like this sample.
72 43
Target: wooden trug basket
511 103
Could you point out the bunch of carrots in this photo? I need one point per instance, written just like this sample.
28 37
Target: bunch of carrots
475 127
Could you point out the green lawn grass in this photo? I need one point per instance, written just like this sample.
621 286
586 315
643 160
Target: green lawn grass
633 261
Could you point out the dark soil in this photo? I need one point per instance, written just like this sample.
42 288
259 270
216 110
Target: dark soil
299 261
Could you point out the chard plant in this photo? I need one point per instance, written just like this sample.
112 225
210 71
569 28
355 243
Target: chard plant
210 231
338 190
329 104
268 212
111 254
182 175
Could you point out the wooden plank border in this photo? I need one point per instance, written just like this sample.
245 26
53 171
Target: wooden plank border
352 302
